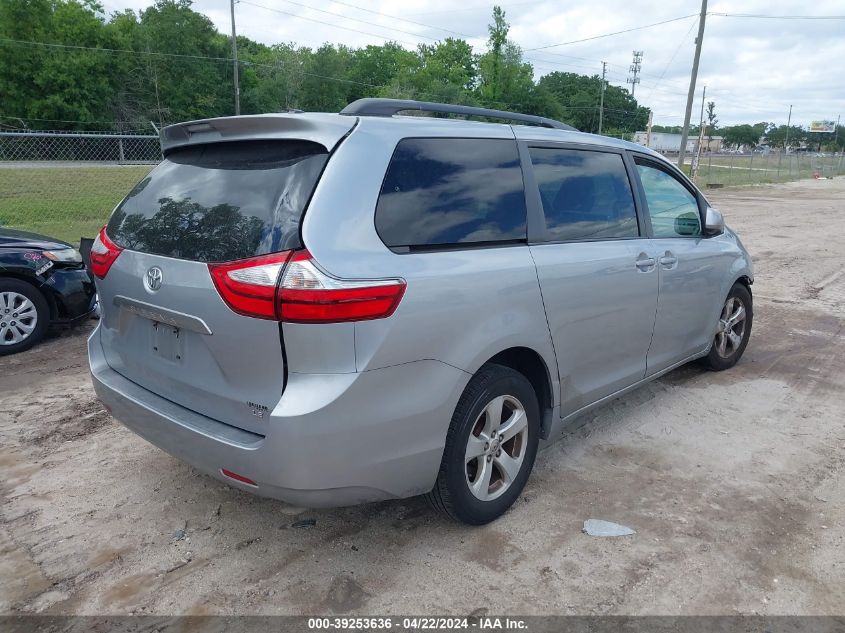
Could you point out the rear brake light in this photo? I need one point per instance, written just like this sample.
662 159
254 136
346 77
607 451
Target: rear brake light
308 295
248 286
104 252
290 287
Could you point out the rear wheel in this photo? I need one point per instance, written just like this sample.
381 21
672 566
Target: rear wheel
490 447
24 316
732 331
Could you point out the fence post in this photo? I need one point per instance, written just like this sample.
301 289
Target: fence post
120 148
751 167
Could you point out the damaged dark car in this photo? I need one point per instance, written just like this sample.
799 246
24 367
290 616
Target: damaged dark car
43 284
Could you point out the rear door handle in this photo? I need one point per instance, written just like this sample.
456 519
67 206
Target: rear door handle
645 263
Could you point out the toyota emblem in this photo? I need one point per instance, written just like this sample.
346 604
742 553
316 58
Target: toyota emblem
152 279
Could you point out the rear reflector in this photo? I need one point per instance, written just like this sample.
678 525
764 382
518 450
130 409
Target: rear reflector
104 252
290 287
237 477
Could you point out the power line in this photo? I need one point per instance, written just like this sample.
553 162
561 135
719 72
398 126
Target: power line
478 7
596 37
345 17
777 17
396 17
336 26
671 59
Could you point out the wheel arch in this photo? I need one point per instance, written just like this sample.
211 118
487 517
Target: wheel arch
533 366
746 281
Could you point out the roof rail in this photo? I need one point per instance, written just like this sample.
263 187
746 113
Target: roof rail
389 107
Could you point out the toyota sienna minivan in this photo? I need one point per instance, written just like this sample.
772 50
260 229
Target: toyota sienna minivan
332 309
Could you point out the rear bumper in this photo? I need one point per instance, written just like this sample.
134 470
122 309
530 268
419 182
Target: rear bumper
333 439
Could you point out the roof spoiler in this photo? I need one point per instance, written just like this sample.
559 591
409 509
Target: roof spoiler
325 129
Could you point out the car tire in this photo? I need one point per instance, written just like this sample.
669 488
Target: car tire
15 294
731 337
481 476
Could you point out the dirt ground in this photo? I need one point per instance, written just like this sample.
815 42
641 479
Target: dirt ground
734 482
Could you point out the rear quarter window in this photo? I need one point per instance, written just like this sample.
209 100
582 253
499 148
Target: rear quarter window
221 202
452 191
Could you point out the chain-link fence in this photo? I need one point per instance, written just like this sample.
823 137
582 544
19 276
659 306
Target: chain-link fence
728 170
65 184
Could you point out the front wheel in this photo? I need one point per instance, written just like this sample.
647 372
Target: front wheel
24 316
490 447
732 331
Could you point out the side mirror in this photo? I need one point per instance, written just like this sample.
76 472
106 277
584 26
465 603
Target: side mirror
714 223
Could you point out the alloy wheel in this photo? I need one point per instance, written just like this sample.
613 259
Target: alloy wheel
731 328
496 448
18 318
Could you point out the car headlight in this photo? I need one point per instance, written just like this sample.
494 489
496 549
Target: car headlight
70 255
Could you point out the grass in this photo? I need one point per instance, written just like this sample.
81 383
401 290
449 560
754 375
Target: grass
64 202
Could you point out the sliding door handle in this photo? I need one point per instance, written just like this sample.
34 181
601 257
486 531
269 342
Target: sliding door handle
644 263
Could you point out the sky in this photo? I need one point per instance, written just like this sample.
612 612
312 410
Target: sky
753 68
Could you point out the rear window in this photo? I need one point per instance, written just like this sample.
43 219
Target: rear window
221 202
447 191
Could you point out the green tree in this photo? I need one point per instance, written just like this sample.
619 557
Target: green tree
60 84
374 67
325 87
739 135
191 86
278 73
712 121
578 96
776 136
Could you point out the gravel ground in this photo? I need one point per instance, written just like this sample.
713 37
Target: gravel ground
733 482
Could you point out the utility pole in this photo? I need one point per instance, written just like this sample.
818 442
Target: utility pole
235 63
788 124
648 129
693 170
786 140
635 70
693 77
601 99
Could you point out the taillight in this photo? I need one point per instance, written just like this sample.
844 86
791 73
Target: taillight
308 295
248 286
304 294
104 252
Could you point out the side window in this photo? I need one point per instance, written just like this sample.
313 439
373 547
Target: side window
442 191
586 195
671 206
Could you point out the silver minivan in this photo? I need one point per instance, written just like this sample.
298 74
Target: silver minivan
332 309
